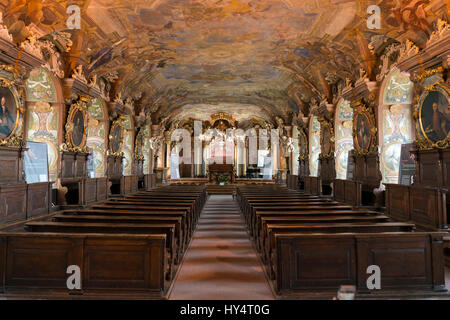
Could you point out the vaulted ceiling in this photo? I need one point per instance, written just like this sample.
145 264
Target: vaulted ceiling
272 55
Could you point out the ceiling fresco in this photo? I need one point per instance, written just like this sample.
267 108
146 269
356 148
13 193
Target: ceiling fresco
239 112
274 55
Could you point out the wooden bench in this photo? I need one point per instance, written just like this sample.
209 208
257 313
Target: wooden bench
272 230
35 264
136 214
336 241
148 210
182 240
313 219
112 228
315 265
256 227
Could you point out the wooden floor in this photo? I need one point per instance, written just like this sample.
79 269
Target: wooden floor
221 262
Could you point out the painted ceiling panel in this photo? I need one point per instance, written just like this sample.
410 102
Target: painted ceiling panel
279 54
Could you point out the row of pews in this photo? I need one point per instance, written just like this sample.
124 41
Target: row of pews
310 246
127 247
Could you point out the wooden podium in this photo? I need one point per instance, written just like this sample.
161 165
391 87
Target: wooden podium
217 170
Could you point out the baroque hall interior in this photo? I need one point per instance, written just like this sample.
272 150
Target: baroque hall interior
145 133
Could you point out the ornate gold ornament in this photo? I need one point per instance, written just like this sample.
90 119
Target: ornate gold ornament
139 145
76 128
326 127
364 139
427 136
116 138
222 116
303 150
8 83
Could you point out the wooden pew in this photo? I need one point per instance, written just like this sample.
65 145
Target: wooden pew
277 217
34 265
316 265
151 215
283 219
271 230
176 205
112 228
251 218
148 210
177 221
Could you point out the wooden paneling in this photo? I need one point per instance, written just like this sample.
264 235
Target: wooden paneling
38 199
367 171
81 165
308 263
127 181
67 165
398 201
101 258
414 252
90 190
425 206
292 182
114 169
433 168
347 191
102 188
428 173
327 170
13 203
11 164
428 207
134 183
312 185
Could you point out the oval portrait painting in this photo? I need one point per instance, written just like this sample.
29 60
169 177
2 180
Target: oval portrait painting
326 140
363 136
78 129
435 116
116 138
303 145
8 112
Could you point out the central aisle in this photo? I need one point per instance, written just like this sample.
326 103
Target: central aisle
221 262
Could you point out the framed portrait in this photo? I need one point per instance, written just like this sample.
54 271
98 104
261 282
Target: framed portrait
76 127
326 139
434 116
139 144
116 137
303 144
9 111
364 130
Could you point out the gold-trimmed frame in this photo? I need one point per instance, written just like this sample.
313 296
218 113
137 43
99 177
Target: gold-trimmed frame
328 125
303 155
360 109
139 147
8 80
423 142
78 106
111 151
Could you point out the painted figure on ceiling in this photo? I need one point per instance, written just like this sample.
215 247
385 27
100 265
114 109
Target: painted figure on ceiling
410 14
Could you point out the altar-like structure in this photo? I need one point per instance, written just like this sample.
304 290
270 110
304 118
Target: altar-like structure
217 172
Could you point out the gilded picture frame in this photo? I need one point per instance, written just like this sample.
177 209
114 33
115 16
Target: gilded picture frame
432 113
10 102
364 130
303 145
76 128
139 145
116 134
12 117
326 140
